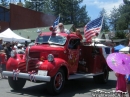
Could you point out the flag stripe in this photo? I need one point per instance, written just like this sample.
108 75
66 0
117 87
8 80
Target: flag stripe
89 37
92 27
89 32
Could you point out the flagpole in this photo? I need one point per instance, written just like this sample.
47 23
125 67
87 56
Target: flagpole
102 21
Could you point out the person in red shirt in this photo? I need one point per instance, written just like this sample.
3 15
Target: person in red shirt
78 33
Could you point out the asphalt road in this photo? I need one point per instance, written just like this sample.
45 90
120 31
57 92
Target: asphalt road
73 88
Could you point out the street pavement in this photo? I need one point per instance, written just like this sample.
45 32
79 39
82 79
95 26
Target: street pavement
74 88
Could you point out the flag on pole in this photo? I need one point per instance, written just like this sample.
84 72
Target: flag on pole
56 22
92 28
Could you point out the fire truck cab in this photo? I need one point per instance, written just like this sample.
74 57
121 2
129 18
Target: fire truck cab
56 58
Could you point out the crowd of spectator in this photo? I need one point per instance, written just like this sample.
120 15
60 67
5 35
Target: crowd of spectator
7 47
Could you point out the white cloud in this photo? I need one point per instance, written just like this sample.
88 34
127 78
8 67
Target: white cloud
108 5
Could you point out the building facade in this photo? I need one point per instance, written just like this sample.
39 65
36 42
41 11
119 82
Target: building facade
18 17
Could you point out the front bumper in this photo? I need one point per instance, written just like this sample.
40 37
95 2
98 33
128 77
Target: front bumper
27 76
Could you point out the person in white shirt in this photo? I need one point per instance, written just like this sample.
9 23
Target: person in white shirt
20 49
61 29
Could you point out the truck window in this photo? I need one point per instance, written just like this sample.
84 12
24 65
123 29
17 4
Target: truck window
73 44
60 40
42 39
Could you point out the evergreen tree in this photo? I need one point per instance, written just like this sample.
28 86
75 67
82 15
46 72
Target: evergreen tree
36 5
120 35
114 16
70 11
105 26
124 17
4 3
126 1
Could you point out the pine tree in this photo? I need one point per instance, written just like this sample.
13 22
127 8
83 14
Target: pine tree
70 11
105 26
126 1
124 17
114 16
36 5
4 3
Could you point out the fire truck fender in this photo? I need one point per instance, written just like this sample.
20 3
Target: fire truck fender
53 67
11 64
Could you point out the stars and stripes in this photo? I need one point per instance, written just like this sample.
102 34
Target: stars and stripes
56 22
92 28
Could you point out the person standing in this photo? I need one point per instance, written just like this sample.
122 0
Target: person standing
8 50
78 33
25 45
128 83
121 83
2 57
20 49
1 46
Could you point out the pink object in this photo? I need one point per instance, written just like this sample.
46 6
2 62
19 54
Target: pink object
119 62
121 82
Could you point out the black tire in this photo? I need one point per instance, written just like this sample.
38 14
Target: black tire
16 84
53 86
103 78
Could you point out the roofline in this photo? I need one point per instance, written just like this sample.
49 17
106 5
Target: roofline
4 7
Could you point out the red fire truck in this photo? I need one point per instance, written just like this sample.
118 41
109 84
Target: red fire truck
56 58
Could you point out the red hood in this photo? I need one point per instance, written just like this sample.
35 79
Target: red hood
47 47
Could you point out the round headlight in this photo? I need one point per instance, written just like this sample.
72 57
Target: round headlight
13 53
50 58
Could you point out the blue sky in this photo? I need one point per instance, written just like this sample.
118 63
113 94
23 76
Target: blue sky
95 6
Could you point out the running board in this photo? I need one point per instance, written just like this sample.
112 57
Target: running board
79 75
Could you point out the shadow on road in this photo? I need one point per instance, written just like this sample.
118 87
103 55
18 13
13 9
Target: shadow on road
72 87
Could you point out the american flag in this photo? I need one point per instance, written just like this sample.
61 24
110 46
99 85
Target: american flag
92 28
56 22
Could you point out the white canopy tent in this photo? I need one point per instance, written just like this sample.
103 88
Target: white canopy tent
125 49
9 35
4 38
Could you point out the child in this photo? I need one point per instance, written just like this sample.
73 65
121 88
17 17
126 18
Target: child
128 83
121 82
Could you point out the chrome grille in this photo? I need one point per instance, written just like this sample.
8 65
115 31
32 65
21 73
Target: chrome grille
34 54
22 66
31 66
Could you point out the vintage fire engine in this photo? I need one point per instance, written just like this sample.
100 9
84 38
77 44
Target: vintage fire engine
56 58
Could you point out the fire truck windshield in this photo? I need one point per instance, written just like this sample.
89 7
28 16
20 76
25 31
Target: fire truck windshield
60 40
42 39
